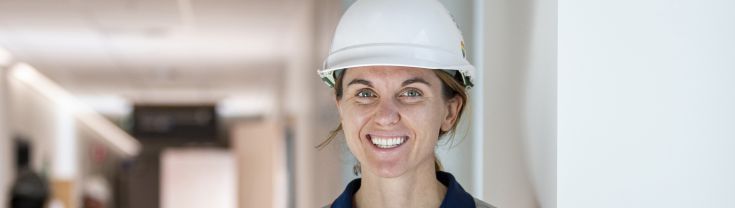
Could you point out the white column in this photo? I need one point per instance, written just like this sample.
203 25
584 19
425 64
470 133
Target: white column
299 100
646 103
65 144
478 101
6 149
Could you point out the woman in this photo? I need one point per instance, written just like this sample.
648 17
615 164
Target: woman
400 75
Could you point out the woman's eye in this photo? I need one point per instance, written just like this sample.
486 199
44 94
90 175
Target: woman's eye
365 93
411 93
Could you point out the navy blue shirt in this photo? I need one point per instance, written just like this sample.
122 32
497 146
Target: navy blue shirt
455 197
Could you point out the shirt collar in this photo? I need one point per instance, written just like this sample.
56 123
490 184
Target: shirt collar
456 196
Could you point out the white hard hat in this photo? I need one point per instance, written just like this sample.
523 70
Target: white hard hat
413 33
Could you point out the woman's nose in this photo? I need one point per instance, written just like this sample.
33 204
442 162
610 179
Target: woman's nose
387 113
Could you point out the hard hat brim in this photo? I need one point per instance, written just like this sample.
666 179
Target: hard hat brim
407 55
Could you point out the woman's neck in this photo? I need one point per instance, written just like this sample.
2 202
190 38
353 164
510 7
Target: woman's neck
415 188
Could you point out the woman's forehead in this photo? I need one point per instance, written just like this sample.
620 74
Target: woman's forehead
388 72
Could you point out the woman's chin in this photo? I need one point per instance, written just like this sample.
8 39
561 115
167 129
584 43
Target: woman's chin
388 169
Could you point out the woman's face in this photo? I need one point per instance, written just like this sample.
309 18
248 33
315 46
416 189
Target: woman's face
392 116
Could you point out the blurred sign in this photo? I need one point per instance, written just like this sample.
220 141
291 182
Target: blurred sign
175 122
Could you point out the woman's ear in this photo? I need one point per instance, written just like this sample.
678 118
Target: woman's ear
453 106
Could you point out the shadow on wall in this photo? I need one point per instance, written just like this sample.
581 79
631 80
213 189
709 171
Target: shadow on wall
520 77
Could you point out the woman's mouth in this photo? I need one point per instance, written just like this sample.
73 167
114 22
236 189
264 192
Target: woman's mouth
387 142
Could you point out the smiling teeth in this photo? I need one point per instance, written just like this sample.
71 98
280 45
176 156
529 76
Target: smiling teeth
387 142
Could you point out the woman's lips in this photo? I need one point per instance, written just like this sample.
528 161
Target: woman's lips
387 142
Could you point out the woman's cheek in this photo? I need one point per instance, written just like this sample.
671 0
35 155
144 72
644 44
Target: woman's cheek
353 118
421 113
423 118
356 111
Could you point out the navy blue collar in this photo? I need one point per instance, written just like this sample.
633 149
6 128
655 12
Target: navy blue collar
455 197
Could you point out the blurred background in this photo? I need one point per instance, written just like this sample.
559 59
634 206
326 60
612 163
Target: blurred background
216 103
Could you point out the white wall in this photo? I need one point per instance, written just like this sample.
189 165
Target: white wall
53 122
646 103
6 149
520 103
259 150
51 131
33 117
198 177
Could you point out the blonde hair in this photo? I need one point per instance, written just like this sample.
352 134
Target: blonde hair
451 87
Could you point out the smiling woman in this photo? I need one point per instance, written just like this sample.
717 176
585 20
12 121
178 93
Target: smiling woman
392 106
400 77
451 88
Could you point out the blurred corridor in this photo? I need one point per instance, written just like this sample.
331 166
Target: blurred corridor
193 103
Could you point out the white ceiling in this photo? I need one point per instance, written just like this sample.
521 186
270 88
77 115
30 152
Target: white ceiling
143 49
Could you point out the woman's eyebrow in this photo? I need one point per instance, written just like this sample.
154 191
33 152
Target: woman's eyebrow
360 81
415 80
